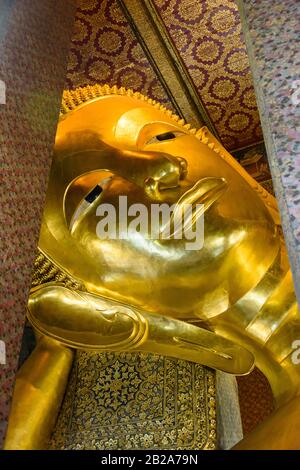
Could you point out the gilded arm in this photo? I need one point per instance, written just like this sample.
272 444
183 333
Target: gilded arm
39 390
82 320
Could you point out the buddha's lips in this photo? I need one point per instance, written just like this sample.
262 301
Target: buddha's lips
206 191
201 196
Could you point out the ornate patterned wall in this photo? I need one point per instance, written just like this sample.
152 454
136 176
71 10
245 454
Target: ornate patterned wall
34 41
208 36
105 50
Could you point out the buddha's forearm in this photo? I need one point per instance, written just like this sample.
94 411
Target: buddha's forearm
38 393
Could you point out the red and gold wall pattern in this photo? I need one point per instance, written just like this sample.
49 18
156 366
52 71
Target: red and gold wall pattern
105 50
207 35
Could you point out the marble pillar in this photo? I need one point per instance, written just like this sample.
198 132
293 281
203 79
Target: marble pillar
272 33
34 43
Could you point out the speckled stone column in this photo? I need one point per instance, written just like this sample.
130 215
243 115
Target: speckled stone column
272 33
34 43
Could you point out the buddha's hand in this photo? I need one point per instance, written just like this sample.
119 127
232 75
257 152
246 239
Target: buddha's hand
86 321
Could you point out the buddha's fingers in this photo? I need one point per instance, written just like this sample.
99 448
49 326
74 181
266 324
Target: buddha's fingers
83 320
182 340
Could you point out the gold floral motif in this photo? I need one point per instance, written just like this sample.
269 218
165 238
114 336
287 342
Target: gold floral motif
137 401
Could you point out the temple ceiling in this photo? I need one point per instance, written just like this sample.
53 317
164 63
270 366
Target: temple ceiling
189 55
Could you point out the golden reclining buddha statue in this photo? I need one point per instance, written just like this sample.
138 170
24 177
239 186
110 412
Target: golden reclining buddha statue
228 305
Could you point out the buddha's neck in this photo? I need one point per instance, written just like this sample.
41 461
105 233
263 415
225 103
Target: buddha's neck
266 321
275 290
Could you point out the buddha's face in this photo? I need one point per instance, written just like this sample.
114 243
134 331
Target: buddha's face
129 147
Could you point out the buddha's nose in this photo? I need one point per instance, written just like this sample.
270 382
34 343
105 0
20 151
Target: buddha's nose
183 167
166 175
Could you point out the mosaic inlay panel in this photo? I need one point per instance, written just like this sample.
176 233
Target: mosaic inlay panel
137 401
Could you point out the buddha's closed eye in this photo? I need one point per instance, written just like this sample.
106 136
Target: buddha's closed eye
165 136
